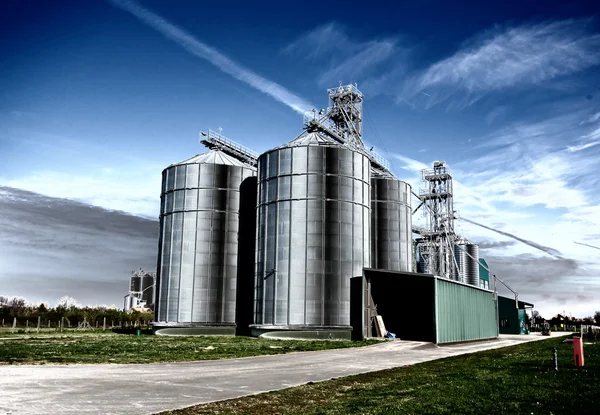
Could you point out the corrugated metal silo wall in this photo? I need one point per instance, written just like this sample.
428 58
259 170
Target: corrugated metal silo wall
472 265
391 225
461 259
198 243
135 284
464 313
312 234
468 268
147 289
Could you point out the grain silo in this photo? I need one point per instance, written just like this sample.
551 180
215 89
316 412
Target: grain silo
147 293
135 282
198 244
391 225
313 222
467 259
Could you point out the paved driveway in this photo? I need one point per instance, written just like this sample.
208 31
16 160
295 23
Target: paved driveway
151 388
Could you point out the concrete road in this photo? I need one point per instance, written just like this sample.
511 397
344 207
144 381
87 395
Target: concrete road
151 388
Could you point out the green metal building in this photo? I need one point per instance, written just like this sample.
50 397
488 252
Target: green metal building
422 307
512 317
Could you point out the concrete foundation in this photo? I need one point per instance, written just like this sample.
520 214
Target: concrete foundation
301 332
194 330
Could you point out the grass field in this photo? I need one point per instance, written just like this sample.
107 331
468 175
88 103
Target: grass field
512 380
108 347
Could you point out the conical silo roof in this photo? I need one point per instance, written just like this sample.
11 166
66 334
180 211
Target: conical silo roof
213 157
311 139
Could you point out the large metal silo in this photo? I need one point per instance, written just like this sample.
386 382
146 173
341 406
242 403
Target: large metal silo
198 244
391 225
148 288
312 235
467 259
135 285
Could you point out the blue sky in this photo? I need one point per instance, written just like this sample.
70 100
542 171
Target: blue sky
97 98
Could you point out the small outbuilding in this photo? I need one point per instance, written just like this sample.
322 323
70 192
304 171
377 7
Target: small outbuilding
512 315
421 307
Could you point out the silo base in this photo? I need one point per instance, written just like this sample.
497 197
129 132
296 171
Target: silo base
302 332
193 330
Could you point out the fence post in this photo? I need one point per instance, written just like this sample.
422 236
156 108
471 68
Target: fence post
62 323
104 325
27 326
39 322
96 323
14 324
48 323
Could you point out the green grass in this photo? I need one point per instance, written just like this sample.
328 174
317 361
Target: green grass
99 347
512 380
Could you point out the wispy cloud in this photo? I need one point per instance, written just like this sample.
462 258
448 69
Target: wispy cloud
355 67
204 51
495 114
518 56
322 41
347 60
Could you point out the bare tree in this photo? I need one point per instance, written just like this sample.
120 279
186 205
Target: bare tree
67 302
17 303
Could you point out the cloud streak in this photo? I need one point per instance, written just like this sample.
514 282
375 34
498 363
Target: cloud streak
588 245
550 251
203 51
574 149
494 244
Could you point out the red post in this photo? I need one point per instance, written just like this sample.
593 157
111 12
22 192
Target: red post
578 351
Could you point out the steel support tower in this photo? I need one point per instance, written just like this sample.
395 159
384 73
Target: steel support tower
436 244
342 121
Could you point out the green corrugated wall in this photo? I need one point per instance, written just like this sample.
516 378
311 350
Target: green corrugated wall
464 313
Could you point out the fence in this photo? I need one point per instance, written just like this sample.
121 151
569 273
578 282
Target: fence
36 325
590 332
